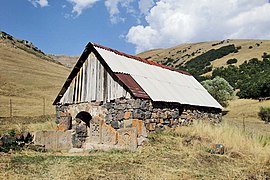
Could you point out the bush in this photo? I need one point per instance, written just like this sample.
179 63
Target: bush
232 61
264 114
220 89
265 55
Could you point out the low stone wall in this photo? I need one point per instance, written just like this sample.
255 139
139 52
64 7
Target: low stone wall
57 140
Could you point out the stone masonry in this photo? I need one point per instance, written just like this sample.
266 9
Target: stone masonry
120 114
156 115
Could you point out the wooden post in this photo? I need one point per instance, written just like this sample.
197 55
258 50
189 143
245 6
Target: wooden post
10 108
43 106
244 124
100 131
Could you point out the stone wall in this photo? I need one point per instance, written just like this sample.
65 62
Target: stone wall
123 114
156 115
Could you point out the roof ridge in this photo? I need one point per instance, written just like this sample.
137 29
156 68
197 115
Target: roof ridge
140 59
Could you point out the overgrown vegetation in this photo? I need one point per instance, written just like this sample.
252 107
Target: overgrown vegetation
252 77
164 157
220 89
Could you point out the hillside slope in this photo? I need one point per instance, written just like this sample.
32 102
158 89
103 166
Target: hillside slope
26 77
247 49
68 61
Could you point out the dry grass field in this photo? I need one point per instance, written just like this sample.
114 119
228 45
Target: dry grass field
26 79
244 114
247 153
163 157
249 49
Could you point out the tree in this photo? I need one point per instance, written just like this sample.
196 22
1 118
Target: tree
220 89
264 114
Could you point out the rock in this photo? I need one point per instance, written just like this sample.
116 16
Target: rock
136 104
120 106
64 123
138 114
147 115
19 137
127 115
143 105
127 123
147 121
108 117
119 115
80 135
161 115
151 126
168 114
154 115
27 137
166 122
107 105
217 149
115 124
175 114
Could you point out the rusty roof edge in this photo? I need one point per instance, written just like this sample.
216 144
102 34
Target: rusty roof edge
140 59
143 95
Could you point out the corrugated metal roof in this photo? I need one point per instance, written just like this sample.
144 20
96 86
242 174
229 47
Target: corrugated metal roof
133 86
139 59
161 83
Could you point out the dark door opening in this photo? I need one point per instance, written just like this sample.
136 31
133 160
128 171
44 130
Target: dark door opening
85 117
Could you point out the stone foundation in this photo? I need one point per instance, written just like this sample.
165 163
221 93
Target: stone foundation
123 115
156 115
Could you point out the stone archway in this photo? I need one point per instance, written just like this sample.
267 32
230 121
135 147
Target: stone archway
81 126
85 117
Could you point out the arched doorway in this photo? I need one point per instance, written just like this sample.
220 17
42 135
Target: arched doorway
81 127
85 117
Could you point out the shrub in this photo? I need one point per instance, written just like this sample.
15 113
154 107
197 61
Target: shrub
265 55
264 114
232 61
220 89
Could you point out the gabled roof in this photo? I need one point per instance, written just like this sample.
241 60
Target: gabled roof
147 79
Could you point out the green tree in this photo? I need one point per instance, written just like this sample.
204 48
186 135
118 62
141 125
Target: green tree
264 114
220 89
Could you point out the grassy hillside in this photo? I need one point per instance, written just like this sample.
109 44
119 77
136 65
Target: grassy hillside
247 49
26 78
68 61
